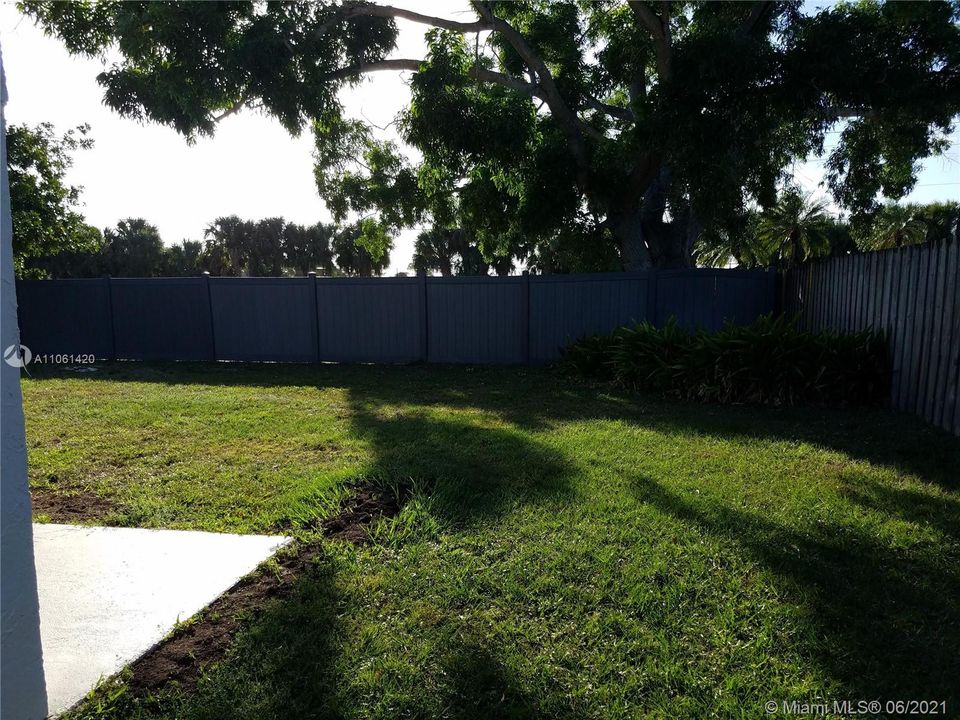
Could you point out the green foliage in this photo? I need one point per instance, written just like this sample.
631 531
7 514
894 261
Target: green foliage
635 125
307 249
226 245
185 64
769 362
798 229
362 249
453 251
794 229
47 228
132 249
266 248
894 226
183 260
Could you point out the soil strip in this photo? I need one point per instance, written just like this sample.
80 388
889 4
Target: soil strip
182 657
69 507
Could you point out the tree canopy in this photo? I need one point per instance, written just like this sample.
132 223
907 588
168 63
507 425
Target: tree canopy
133 249
46 221
634 128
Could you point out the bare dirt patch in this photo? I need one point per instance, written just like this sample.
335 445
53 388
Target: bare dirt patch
68 506
362 508
182 657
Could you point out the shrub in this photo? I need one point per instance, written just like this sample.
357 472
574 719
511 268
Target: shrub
770 361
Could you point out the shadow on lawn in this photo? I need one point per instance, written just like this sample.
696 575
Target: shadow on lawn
886 625
538 398
291 664
469 471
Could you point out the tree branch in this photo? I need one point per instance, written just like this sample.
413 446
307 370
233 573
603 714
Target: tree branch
544 88
573 128
478 72
235 108
388 11
759 12
659 29
612 110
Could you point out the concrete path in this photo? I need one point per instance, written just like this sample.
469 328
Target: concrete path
109 594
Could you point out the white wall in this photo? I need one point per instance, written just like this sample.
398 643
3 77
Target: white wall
22 691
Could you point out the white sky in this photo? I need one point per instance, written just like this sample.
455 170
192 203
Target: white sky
251 167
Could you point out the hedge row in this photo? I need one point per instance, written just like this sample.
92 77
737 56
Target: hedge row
771 362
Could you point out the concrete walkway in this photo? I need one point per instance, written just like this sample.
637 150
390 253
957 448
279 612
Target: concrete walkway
109 594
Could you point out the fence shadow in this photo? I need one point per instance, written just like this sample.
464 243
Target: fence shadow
881 622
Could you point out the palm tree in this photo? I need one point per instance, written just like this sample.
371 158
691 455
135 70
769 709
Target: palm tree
227 247
795 229
895 226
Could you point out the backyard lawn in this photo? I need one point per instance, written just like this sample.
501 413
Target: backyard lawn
567 552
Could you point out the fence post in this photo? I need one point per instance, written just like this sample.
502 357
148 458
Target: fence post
316 315
526 302
113 332
213 331
425 325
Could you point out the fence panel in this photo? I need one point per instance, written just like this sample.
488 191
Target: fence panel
371 319
461 320
161 319
565 308
706 298
264 319
913 294
71 317
477 320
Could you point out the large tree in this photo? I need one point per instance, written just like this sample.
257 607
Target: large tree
226 243
132 249
362 248
640 122
307 249
46 223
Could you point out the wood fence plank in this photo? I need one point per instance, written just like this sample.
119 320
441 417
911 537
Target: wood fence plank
950 416
922 322
900 343
935 311
951 268
912 356
860 295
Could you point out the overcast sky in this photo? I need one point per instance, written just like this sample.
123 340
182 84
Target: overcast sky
252 167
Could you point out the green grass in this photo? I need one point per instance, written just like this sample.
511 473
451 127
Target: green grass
568 553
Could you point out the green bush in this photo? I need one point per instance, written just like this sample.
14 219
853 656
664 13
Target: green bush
770 361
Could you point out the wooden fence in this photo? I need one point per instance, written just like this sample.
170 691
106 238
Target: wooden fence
913 294
483 320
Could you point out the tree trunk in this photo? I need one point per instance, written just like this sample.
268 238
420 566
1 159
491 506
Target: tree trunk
645 239
627 228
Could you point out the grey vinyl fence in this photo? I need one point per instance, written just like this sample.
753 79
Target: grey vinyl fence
483 320
913 294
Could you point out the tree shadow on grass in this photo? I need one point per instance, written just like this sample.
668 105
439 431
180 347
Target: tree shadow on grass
941 512
470 471
482 688
284 665
887 625
294 662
